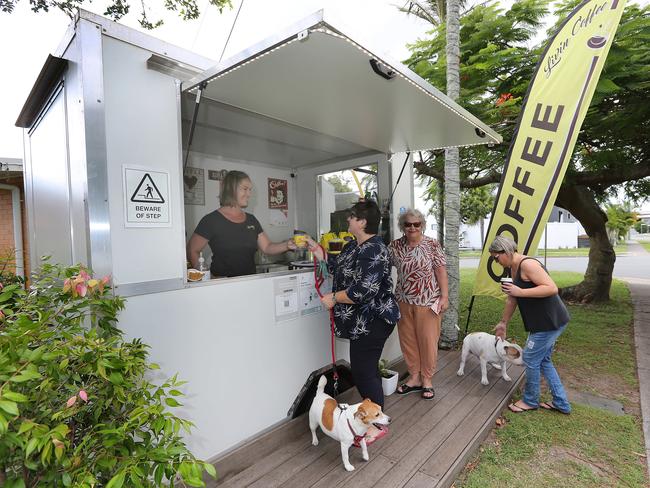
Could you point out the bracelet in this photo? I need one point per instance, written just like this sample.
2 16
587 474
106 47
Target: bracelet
334 298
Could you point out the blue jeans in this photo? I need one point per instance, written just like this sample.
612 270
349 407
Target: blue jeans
537 356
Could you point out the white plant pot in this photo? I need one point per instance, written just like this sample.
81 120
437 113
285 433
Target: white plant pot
389 385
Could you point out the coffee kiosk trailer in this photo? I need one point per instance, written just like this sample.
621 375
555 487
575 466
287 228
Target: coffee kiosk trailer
110 116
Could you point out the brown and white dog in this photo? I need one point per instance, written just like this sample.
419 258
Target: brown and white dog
490 349
342 422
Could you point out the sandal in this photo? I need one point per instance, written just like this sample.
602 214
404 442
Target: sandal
428 393
405 389
514 408
549 406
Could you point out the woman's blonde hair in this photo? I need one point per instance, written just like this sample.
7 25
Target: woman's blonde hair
503 244
228 197
411 212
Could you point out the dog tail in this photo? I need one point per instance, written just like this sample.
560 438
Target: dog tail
321 383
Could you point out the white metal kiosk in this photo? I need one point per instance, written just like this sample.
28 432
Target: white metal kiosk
110 116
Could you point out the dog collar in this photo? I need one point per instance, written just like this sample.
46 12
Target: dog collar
357 437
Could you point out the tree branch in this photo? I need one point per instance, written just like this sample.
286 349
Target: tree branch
613 176
439 174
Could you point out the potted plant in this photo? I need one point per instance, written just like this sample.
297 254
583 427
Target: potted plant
388 377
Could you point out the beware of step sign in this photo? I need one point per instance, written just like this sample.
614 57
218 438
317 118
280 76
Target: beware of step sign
146 195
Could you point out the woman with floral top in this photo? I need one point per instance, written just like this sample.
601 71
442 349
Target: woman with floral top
365 310
422 295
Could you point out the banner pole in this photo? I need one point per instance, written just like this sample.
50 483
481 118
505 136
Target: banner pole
469 314
545 241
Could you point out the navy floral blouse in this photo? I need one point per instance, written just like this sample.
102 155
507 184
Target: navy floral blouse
364 272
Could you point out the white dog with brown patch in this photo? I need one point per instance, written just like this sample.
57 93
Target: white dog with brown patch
490 349
342 422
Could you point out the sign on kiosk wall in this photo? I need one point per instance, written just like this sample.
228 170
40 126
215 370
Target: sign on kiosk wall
146 197
555 106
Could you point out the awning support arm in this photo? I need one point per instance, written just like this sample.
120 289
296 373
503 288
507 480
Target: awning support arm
390 200
194 116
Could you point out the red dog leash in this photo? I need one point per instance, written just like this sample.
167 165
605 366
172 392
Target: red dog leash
318 281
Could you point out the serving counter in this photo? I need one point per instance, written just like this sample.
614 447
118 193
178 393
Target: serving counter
241 344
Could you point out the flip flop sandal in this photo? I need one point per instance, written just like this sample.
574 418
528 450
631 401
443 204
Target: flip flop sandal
516 409
405 389
427 397
552 408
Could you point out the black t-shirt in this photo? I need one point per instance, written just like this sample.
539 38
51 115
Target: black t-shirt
233 245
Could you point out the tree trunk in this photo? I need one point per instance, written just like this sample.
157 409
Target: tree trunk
579 200
449 332
440 195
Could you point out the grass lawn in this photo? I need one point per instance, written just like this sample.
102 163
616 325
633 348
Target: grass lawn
591 447
645 244
582 251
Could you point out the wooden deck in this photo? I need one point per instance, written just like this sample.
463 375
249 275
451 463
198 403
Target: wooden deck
428 444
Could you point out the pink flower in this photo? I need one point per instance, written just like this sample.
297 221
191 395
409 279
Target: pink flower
81 289
1 286
67 285
84 275
83 395
71 401
2 315
103 282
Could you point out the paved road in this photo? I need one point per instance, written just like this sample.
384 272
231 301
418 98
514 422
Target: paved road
633 265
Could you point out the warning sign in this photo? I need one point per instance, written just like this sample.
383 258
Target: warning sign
146 193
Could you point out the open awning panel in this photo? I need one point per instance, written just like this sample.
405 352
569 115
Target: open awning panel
319 79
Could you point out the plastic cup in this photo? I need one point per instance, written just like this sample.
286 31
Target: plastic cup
300 240
505 280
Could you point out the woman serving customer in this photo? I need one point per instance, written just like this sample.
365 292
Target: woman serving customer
233 234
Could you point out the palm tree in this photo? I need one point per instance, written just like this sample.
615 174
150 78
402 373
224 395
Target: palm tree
437 12
449 332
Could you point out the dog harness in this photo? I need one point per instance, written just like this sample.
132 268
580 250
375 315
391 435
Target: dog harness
357 438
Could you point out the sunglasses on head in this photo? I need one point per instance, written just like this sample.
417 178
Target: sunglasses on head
412 224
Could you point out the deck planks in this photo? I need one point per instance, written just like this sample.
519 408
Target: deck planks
428 444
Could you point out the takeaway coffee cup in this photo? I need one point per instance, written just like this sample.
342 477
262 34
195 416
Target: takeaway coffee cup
505 280
300 238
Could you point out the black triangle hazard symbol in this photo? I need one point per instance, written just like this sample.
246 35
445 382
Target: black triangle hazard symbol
147 191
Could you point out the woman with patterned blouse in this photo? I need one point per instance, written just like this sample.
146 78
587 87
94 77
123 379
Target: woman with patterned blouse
365 310
422 295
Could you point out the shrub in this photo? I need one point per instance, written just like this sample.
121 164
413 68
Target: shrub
76 407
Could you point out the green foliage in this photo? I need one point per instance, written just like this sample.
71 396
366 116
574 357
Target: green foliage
384 371
476 204
116 9
76 407
497 65
340 185
620 219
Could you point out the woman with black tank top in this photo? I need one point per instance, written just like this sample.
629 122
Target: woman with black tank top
233 235
545 317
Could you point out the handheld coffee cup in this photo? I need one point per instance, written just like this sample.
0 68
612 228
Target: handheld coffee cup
300 238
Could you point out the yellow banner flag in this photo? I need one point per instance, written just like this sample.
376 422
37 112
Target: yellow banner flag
553 111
